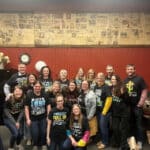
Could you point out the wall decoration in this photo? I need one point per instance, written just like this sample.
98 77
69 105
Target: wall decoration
74 29
25 58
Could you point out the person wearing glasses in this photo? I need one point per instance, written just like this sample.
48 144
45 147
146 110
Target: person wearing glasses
37 107
56 127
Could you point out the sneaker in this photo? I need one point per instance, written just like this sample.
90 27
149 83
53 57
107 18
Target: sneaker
19 147
28 143
35 148
11 149
139 145
99 143
44 147
101 146
132 143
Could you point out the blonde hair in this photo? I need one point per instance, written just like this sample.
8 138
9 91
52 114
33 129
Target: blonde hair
72 116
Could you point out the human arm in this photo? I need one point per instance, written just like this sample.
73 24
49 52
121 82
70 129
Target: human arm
107 105
86 133
142 98
27 115
73 141
92 109
8 115
48 132
6 90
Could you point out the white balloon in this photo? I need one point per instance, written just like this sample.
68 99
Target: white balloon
39 64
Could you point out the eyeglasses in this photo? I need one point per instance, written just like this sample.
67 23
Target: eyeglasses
59 101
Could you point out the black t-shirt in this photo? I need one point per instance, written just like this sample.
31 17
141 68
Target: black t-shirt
70 99
77 130
15 108
135 85
47 84
58 126
52 97
37 105
120 105
17 79
63 84
102 92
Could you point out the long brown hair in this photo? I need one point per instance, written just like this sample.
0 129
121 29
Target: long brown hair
72 116
119 87
13 99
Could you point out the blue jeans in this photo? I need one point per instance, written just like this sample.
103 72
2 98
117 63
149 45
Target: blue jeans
68 146
27 131
104 127
16 134
38 132
56 145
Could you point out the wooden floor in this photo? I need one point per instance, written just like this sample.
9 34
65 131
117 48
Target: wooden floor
5 134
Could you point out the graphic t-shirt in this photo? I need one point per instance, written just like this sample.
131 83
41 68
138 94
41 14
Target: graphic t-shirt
14 109
102 92
135 85
37 105
120 105
47 84
58 126
77 130
17 79
64 84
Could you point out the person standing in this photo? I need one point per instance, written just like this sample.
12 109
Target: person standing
71 95
109 72
63 78
56 127
137 91
120 113
91 78
80 76
19 78
37 107
45 78
103 105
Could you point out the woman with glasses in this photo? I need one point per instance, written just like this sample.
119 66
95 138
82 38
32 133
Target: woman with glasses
37 106
56 127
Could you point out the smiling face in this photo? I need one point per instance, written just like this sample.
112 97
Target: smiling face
63 74
72 86
37 88
31 78
76 110
18 93
130 70
85 85
109 70
59 101
91 74
45 72
100 78
113 80
56 87
22 68
80 72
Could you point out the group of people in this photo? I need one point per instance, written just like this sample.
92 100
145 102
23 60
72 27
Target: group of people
67 114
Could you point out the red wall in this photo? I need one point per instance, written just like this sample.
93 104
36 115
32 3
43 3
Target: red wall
73 58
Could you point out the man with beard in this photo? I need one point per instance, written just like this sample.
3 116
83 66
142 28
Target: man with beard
137 91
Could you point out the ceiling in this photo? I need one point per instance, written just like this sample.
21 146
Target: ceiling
75 5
